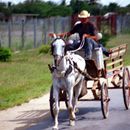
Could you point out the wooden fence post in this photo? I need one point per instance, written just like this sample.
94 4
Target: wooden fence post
98 22
62 25
45 31
23 33
113 24
9 33
34 29
0 41
54 25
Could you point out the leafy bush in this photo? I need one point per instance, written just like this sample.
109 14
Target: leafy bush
45 49
5 54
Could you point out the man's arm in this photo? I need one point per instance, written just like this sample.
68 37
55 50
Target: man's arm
89 36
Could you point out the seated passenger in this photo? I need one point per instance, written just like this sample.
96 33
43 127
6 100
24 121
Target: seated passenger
88 32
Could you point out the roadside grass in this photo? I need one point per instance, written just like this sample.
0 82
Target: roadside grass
118 40
25 77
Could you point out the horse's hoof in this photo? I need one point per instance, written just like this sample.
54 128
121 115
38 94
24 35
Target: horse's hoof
55 128
72 122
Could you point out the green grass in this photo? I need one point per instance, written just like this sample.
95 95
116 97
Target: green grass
25 77
118 40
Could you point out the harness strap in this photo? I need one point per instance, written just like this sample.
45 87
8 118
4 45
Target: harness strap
68 71
51 68
87 76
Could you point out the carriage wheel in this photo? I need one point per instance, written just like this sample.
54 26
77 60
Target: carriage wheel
104 100
126 87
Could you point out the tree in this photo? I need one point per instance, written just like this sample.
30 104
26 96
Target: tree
44 9
113 7
47 9
78 5
2 6
93 1
96 9
63 2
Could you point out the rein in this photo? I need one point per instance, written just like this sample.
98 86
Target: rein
72 64
63 73
85 74
80 47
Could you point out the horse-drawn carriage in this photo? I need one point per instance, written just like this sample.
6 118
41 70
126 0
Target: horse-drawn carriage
112 75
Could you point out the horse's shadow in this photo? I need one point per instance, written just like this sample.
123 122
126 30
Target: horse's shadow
88 113
33 118
36 120
85 113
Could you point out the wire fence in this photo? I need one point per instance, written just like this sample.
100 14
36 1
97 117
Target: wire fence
123 23
31 33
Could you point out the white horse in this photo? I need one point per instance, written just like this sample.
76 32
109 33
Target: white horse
65 76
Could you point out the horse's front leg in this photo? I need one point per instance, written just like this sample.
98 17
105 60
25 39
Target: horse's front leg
77 91
70 107
56 110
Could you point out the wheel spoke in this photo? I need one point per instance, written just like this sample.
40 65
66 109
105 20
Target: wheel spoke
104 100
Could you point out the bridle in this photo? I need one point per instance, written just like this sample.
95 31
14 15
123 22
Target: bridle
58 58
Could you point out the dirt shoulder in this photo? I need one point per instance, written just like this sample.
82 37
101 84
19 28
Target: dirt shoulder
26 115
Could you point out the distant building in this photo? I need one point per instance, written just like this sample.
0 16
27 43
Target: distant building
3 17
23 17
16 18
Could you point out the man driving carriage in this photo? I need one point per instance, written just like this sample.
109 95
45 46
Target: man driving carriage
88 32
90 36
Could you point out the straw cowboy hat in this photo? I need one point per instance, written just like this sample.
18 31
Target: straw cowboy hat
84 14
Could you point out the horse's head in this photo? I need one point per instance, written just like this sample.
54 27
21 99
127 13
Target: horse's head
58 50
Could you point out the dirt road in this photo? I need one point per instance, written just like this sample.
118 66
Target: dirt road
26 115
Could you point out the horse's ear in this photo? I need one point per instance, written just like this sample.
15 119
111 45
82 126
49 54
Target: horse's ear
54 36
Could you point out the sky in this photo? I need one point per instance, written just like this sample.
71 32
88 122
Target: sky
104 2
